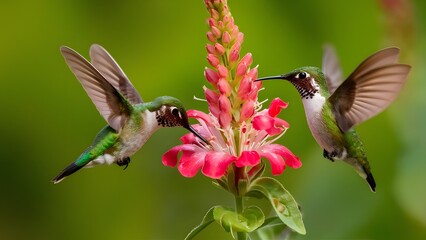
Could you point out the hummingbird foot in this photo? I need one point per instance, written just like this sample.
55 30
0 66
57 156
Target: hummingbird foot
124 161
329 156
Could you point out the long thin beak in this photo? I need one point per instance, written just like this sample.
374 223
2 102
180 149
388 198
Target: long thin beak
270 78
197 134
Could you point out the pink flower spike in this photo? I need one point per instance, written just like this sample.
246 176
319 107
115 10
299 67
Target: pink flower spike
213 60
276 105
216 164
222 71
248 158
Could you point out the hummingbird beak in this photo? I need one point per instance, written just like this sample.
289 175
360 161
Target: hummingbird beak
197 134
271 78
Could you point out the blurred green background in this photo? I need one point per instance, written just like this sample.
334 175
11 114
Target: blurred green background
47 120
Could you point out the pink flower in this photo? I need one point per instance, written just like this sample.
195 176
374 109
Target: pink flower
213 160
240 133
267 120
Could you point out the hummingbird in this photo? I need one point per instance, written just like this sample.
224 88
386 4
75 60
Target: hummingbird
131 122
333 106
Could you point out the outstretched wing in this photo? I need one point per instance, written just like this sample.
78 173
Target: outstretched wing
112 72
110 104
374 84
331 69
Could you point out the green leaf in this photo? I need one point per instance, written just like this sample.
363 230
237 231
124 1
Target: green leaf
281 200
208 218
249 220
272 228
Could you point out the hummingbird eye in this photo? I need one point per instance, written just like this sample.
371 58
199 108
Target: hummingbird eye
302 75
175 112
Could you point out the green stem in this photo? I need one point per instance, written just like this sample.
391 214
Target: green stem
239 207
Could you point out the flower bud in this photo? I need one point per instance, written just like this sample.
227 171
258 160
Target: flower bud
226 38
233 56
224 87
211 76
216 32
213 60
220 50
210 48
222 71
211 37
247 110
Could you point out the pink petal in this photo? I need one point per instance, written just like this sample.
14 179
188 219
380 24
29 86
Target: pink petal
170 158
278 122
277 162
200 116
190 163
248 158
290 159
262 122
188 138
276 105
216 163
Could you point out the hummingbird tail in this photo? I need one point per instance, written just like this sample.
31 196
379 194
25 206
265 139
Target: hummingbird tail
370 179
70 169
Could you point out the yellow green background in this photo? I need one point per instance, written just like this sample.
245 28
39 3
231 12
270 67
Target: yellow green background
47 120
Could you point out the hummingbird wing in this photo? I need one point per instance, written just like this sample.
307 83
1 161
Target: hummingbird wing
112 72
374 84
113 107
331 69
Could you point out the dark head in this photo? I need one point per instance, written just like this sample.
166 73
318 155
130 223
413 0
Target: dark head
169 112
307 80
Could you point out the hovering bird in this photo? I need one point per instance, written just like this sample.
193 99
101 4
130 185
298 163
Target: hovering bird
130 120
333 106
